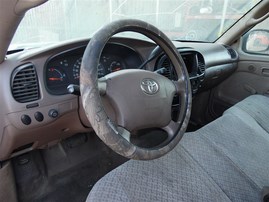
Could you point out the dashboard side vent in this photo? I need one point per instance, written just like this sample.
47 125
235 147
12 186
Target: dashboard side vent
231 52
24 84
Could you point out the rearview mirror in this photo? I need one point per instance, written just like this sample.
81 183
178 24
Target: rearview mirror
257 42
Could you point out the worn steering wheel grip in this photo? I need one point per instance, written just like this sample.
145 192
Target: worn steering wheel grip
109 133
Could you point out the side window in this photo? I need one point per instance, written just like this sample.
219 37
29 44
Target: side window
256 41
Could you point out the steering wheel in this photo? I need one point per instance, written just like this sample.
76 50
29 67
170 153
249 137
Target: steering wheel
141 99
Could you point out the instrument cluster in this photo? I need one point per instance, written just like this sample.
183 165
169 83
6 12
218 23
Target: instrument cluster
64 69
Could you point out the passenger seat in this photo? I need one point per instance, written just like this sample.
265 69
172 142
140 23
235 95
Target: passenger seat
253 108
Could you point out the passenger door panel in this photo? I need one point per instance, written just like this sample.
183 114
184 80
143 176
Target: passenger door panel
251 77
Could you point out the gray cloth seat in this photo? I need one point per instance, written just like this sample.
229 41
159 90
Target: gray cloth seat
227 160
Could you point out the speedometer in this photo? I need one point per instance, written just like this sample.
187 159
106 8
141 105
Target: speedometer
76 68
101 70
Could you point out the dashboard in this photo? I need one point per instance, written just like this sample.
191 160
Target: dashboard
37 109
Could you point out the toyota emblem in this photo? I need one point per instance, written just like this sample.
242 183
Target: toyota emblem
149 86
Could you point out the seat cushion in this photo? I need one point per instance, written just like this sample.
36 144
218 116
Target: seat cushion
174 177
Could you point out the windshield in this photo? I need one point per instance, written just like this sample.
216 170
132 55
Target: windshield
192 20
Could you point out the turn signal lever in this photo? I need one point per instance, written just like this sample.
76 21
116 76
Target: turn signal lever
73 89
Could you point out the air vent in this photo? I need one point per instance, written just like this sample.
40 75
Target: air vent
165 68
167 65
24 84
231 52
201 64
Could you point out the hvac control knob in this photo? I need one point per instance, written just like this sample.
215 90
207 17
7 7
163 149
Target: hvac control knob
53 113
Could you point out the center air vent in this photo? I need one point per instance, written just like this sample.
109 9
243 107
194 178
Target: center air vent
24 84
167 65
166 68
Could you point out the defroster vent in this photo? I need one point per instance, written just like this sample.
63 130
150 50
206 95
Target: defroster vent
24 84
